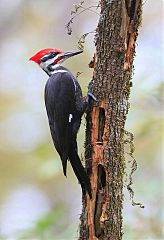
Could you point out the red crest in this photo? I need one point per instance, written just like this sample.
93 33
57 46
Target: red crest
36 58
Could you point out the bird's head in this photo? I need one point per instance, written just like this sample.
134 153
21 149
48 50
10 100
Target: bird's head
49 58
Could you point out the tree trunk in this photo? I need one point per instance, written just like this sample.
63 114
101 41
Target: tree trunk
116 35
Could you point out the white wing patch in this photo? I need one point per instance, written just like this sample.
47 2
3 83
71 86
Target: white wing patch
70 117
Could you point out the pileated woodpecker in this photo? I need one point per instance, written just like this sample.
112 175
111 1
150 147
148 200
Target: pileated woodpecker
65 107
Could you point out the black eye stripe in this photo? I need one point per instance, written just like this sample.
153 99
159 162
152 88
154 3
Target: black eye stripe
44 59
49 56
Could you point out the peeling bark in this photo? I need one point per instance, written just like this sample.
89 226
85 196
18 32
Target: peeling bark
116 36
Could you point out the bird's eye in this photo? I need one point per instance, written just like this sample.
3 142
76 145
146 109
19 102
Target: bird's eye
53 54
49 56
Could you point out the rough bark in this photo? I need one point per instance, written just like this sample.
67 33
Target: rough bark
116 35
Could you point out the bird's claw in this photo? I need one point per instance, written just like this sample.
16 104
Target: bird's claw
89 93
92 96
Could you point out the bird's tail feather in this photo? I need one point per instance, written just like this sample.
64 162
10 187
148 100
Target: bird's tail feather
79 171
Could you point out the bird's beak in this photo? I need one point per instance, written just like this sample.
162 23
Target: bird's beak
71 54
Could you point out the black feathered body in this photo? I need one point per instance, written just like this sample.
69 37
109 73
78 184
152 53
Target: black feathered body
65 107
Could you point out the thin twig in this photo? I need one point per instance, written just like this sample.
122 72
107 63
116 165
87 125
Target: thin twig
68 25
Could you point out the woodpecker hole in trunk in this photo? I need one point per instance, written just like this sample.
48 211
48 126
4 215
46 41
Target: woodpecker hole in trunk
101 125
101 183
101 177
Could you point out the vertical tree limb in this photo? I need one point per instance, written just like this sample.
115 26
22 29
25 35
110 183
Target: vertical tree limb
116 36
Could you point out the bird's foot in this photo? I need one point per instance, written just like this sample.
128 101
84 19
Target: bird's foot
89 93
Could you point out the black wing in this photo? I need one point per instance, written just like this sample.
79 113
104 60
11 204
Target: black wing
59 100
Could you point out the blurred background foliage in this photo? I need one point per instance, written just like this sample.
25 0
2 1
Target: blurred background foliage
36 200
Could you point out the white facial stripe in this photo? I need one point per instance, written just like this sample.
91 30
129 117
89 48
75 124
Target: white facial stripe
59 71
45 64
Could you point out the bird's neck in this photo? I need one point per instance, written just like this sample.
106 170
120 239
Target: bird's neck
52 69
